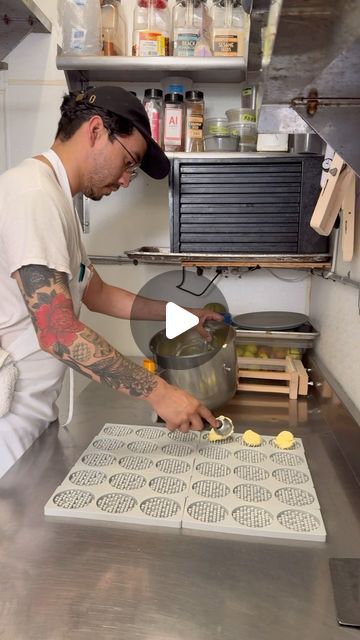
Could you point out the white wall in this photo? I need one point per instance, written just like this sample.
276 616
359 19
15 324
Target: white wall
139 216
335 309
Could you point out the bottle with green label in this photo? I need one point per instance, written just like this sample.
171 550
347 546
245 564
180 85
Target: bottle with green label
231 26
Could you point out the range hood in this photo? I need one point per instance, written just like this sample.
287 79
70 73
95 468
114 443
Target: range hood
18 18
314 70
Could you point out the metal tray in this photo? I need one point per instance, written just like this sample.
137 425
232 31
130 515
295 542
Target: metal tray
163 255
270 320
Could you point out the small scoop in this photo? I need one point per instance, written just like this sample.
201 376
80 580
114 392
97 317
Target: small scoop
224 430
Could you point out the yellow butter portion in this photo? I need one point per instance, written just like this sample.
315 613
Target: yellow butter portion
284 440
214 436
252 438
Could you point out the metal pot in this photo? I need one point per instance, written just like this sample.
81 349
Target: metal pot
206 370
306 143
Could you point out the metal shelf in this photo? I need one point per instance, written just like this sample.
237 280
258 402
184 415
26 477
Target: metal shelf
163 256
80 70
18 18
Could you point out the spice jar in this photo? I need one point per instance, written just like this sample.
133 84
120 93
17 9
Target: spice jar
231 26
151 33
154 107
191 29
174 122
194 121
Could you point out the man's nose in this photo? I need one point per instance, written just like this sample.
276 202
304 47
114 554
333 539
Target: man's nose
124 179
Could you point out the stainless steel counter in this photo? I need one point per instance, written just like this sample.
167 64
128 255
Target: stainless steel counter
71 581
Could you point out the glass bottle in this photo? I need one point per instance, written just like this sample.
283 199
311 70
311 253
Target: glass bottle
113 28
194 121
231 27
152 25
191 29
174 122
154 107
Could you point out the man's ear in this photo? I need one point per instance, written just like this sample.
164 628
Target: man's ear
96 129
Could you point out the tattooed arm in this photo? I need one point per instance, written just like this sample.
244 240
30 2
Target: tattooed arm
119 303
60 333
113 301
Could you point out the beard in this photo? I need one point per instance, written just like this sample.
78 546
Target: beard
93 197
94 189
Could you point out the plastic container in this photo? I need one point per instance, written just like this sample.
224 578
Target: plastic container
194 123
113 28
174 122
231 27
248 96
154 107
216 126
151 28
221 143
241 115
191 29
247 134
81 27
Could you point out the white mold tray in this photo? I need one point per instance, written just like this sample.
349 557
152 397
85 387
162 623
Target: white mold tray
149 475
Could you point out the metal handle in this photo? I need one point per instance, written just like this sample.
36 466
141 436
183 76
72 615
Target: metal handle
227 368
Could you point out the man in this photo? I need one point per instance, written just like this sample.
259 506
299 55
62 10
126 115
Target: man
103 138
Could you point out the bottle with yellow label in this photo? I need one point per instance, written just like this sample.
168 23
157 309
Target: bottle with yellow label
152 24
231 26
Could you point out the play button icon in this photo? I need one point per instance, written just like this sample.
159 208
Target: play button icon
178 320
189 292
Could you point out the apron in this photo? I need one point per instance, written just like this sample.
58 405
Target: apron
40 375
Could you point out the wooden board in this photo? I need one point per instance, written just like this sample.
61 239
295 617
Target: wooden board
330 198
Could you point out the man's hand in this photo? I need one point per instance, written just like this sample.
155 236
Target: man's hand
204 315
179 409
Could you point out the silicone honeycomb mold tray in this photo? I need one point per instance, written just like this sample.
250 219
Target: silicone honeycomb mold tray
149 475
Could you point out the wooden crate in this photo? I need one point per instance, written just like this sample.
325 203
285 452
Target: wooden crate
273 370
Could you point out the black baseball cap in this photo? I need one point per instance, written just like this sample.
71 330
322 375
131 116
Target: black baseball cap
125 104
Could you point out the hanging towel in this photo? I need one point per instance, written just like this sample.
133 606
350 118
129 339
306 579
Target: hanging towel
8 377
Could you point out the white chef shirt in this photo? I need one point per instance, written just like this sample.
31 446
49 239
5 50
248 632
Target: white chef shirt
38 225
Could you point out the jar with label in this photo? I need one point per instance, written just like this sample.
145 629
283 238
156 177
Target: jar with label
154 107
152 26
174 121
113 28
231 27
194 121
191 29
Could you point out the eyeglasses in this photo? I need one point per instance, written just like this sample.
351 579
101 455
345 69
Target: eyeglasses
131 169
